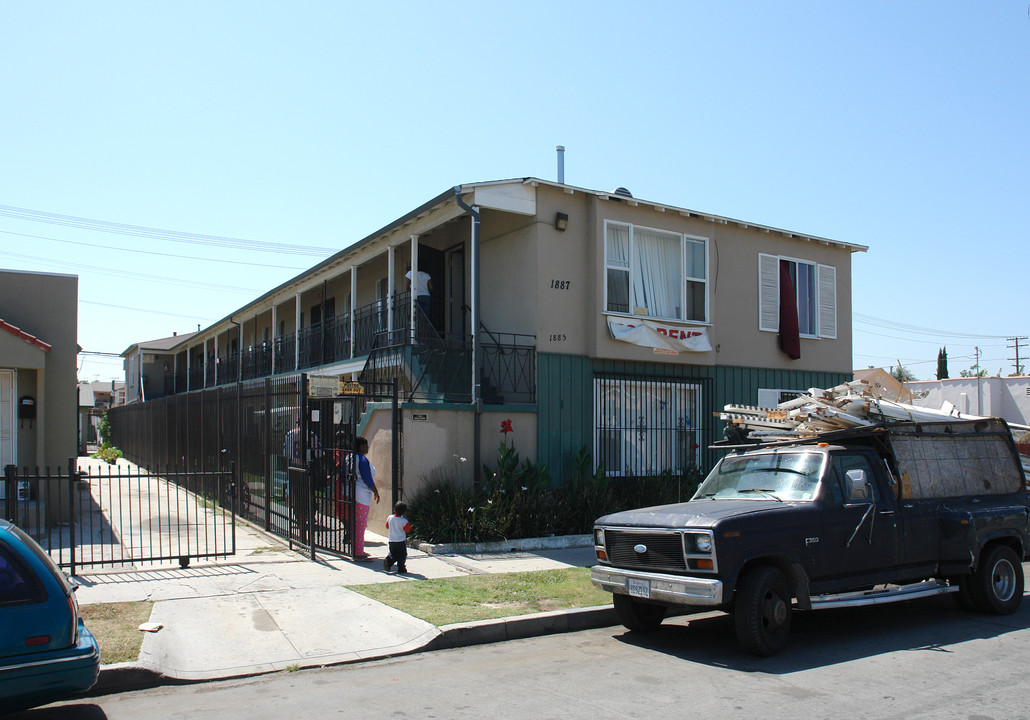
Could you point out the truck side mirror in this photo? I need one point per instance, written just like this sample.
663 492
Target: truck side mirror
857 485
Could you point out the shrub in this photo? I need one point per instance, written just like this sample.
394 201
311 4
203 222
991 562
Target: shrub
517 500
107 452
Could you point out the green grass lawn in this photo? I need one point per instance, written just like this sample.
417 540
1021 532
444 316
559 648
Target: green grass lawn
116 628
444 601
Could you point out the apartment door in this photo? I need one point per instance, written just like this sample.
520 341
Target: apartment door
8 431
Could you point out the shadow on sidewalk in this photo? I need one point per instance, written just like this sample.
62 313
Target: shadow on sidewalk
116 578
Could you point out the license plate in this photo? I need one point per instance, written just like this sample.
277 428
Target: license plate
638 588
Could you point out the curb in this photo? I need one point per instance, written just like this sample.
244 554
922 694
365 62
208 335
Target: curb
556 542
483 632
127 677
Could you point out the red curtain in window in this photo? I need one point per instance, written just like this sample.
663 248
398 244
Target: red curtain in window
790 338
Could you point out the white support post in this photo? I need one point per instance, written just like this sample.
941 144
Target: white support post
413 308
275 329
353 303
390 259
296 332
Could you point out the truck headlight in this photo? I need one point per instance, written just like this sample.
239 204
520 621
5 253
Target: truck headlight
703 543
598 537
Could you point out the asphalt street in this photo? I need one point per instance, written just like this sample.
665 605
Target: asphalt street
923 659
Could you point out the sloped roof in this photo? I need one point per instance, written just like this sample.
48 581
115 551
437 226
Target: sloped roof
19 333
159 345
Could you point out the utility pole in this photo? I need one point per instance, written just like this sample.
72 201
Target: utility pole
1015 344
979 394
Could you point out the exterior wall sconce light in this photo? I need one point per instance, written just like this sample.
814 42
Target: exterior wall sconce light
561 222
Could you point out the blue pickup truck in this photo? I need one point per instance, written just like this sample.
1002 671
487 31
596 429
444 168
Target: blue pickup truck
857 517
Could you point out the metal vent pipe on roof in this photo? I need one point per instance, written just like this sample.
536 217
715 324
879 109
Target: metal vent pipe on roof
561 164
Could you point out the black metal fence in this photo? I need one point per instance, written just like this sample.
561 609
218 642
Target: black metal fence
287 449
116 516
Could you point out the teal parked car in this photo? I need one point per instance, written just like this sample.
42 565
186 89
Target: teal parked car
46 652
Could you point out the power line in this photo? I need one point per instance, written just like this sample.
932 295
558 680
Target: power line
159 234
894 325
907 339
144 310
149 252
138 276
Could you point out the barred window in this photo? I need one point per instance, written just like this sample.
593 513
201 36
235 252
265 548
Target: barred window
646 427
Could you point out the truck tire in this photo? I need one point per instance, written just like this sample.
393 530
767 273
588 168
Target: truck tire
997 584
762 611
638 616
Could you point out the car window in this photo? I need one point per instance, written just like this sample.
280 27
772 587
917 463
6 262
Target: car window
44 558
17 583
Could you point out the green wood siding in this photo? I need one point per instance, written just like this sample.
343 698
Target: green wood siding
566 405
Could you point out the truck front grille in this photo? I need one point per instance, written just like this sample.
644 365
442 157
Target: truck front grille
664 550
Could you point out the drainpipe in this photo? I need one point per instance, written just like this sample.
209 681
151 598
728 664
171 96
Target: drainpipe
477 399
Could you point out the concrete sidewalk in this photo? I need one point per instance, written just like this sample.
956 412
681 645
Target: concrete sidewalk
269 609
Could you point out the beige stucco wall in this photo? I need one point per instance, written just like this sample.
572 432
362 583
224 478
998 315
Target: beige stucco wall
569 271
46 306
438 442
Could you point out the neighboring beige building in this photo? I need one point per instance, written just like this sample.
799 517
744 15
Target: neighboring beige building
592 320
38 349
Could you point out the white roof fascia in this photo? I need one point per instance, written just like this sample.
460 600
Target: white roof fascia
660 207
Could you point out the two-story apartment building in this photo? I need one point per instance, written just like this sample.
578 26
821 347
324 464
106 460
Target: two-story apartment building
591 320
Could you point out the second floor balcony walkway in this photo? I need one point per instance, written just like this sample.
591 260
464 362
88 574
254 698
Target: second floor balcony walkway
431 366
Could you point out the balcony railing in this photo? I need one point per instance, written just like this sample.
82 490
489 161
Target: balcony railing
257 362
283 359
431 367
508 367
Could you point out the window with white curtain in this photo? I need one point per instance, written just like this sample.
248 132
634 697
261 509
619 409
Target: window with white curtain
654 273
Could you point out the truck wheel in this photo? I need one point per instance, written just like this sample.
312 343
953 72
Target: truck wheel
762 611
638 616
997 584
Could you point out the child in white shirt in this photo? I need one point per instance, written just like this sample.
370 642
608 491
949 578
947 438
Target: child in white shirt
399 528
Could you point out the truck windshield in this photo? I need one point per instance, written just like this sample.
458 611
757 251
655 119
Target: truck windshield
777 475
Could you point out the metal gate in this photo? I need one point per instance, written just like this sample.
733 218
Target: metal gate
94 515
321 467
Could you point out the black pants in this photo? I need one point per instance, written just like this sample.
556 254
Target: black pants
398 554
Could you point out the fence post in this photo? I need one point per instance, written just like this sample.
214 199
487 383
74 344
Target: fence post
395 479
11 490
234 484
72 519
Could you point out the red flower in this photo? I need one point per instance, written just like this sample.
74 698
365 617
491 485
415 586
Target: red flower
506 426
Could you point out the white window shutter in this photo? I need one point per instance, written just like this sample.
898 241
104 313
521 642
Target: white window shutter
827 301
768 292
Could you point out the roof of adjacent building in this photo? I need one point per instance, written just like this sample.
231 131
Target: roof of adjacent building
27 337
159 345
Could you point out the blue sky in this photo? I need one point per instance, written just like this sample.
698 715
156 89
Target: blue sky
900 126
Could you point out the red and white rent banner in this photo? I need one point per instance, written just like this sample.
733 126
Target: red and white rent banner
660 336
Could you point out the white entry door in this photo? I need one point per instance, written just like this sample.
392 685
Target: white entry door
8 452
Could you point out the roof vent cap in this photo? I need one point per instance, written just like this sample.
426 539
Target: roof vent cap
622 191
